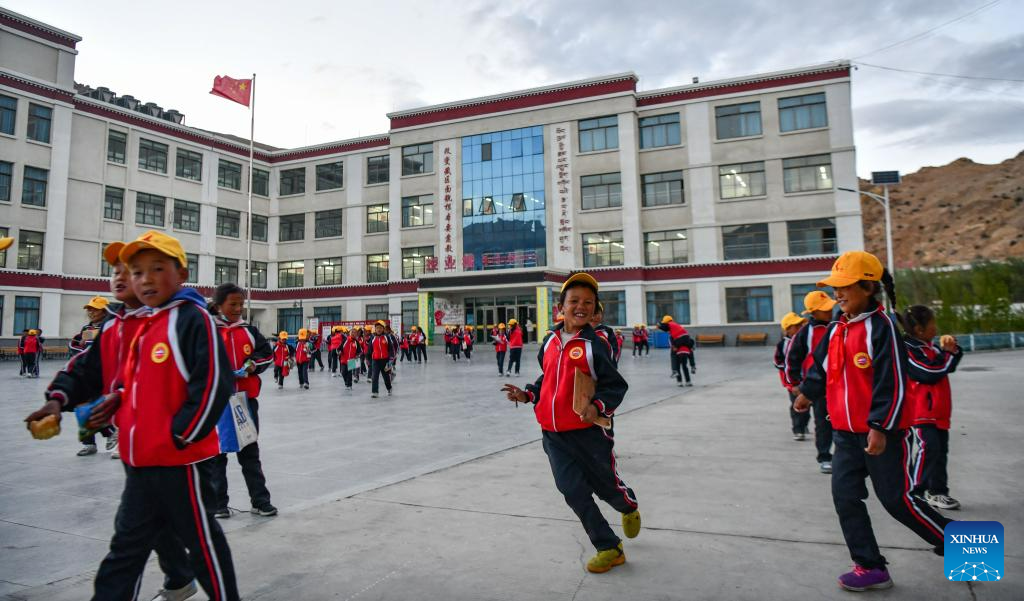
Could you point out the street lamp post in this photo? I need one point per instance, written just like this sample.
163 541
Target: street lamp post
885 179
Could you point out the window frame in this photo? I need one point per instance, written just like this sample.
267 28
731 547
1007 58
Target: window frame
8 114
611 183
802 245
34 189
587 132
224 219
112 154
225 265
35 121
186 206
27 255
261 182
614 239
804 169
377 220
323 175
656 305
657 123
295 270
25 314
296 178
426 217
296 224
648 179
6 180
321 267
328 215
673 244
794 109
142 198
182 158
414 265
425 152
745 169
155 153
108 208
192 265
745 251
228 173
377 313
375 263
258 274
733 114
264 222
761 314
375 166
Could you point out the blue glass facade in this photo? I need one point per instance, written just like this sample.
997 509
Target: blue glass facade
503 217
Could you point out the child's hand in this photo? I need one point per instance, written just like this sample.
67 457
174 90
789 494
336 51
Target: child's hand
802 404
876 442
48 408
104 412
515 393
948 343
590 414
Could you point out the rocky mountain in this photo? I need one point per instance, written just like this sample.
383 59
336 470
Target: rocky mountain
950 215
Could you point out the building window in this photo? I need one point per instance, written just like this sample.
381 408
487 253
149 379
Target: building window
149 209
741 180
375 312
812 237
487 206
229 175
39 119
486 152
3 253
327 272
662 130
418 210
186 215
377 268
410 314
377 218
292 227
415 261
668 302
467 207
189 165
6 177
258 274
289 320
330 176
665 188
327 314
797 293
192 265
614 307
225 271
601 191
417 159
117 143
518 202
599 134
113 203
259 228
749 304
738 120
8 113
260 182
662 248
228 222
807 173
327 224
33 188
26 313
152 156
603 249
30 250
802 112
293 181
378 170
745 241
290 274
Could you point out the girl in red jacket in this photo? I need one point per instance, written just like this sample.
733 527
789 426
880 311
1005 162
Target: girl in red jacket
500 341
580 452
282 356
928 369
859 368
348 358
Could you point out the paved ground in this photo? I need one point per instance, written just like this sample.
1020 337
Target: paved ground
443 492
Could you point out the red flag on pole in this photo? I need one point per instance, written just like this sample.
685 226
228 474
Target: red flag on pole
236 90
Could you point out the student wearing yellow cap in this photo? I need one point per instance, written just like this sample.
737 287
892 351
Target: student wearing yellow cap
283 357
791 324
818 307
96 313
640 340
515 345
860 369
500 341
303 356
30 347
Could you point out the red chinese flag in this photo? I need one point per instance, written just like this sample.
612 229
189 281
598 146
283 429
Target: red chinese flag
236 90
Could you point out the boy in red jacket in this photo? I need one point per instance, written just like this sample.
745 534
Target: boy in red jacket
282 355
381 352
799 359
581 453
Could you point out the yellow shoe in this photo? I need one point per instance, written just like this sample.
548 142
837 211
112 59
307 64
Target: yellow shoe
606 560
631 524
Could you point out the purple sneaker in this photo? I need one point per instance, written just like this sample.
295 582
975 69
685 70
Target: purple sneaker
864 579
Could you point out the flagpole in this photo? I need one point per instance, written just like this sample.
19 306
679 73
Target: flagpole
248 230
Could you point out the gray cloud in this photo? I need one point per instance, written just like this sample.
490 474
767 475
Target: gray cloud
923 123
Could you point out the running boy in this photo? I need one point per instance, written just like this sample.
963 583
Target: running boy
282 355
791 324
581 454
819 307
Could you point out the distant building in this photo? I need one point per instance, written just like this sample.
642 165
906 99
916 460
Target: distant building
715 202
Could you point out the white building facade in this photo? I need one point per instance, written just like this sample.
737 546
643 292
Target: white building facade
714 202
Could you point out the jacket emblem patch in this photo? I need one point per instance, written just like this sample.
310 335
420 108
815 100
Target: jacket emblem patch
862 360
160 353
576 353
247 349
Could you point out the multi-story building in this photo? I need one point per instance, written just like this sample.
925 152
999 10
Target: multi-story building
714 202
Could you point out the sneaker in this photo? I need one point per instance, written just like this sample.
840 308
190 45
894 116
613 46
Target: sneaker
265 510
88 449
693 369
825 467
796 435
941 501
115 454
306 386
280 386
222 514
112 442
864 579
680 384
373 395
348 388
606 560
689 383
631 524
801 436
177 594
389 393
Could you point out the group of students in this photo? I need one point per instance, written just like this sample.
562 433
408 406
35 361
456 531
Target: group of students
30 349
458 341
879 390
508 340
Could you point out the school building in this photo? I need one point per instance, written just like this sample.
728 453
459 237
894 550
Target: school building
714 202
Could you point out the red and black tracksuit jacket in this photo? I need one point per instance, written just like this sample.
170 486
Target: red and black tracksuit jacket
281 353
243 342
928 393
613 341
381 347
86 335
799 354
515 337
500 342
779 360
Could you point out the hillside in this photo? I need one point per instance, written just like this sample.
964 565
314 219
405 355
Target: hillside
954 214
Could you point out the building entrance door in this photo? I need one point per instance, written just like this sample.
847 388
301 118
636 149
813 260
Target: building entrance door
489 311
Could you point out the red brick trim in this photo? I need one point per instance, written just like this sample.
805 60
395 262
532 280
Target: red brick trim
40 32
743 86
35 88
713 270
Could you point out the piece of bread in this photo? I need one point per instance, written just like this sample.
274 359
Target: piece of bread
48 427
583 394
946 340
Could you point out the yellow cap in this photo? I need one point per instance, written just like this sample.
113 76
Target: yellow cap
283 335
512 322
586 278
6 242
414 328
380 322
666 319
343 329
851 267
97 302
33 332
791 319
469 327
816 300
112 252
155 240
559 318
501 326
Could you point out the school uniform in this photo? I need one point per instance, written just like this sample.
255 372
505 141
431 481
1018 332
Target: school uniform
500 348
30 348
581 455
467 340
81 341
515 348
860 369
684 360
303 353
282 353
799 358
242 343
333 344
380 355
349 350
403 346
928 393
455 344
316 358
676 333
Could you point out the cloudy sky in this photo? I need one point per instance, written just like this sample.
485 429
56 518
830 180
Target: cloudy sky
331 70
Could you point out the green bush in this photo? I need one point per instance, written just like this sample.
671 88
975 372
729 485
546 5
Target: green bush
976 299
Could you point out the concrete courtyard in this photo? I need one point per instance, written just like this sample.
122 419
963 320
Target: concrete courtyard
443 492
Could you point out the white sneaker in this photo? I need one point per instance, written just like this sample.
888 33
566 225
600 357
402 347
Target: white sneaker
112 442
88 449
941 501
115 454
179 594
825 467
373 395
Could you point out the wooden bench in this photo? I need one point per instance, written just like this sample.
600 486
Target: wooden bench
8 352
55 352
752 338
710 339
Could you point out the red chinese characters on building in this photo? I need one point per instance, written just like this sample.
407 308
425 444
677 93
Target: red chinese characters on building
431 264
562 184
448 248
